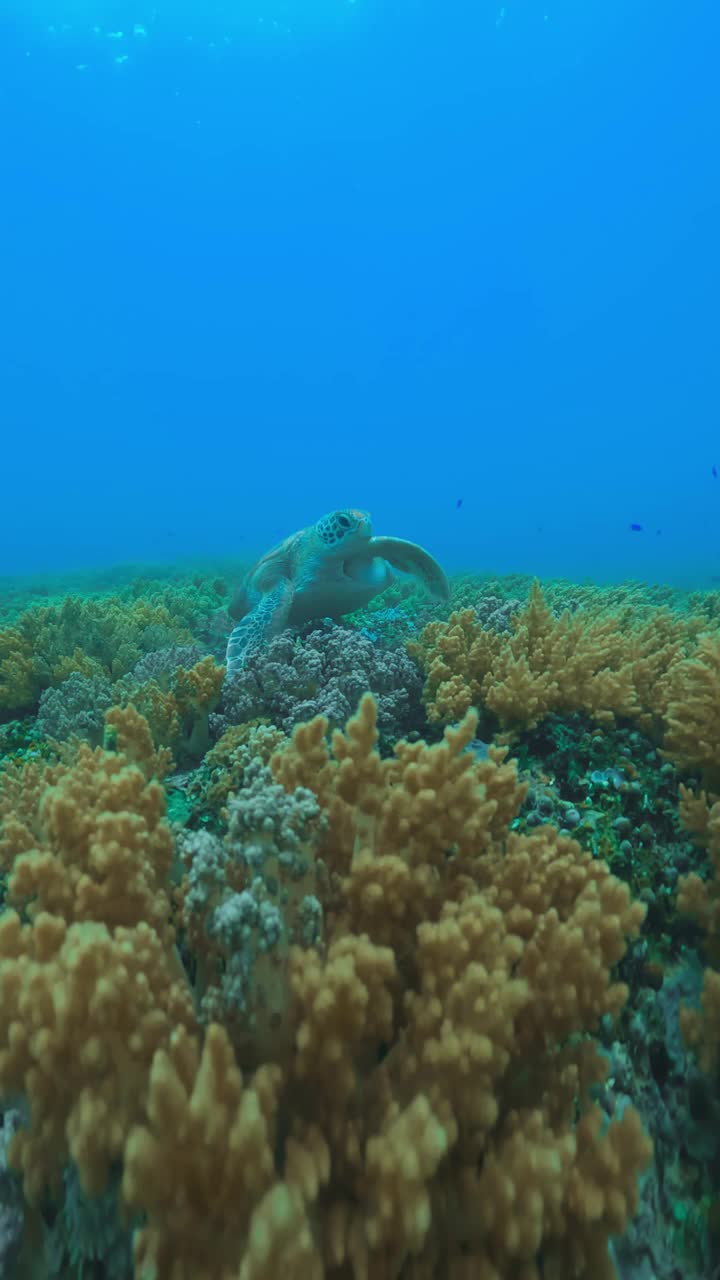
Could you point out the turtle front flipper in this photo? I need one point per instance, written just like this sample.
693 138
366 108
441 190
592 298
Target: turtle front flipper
408 557
266 620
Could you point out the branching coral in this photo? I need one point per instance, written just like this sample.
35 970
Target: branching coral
176 701
603 664
84 1010
20 681
405 833
102 636
89 985
94 636
212 1135
89 858
88 842
368 1110
129 733
197 693
487 985
546 664
700 815
693 715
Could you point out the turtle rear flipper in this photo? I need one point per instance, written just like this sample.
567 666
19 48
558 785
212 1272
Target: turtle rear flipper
264 621
408 557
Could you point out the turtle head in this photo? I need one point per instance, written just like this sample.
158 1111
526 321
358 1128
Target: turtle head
344 530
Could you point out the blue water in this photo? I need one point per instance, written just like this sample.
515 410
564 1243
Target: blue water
263 259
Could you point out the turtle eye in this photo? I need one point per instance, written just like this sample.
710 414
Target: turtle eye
344 522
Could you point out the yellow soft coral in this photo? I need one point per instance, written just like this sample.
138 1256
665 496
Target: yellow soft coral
203 1170
197 693
84 1010
562 1192
202 1161
105 635
129 733
178 709
457 657
343 1005
199 688
434 808
605 664
97 849
692 740
18 681
399 1133
90 985
401 1164
510 959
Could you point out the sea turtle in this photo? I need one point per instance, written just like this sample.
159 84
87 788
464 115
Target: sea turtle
324 571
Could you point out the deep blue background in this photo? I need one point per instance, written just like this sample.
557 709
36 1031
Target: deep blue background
388 254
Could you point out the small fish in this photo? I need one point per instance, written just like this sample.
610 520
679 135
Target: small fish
458 504
715 473
636 528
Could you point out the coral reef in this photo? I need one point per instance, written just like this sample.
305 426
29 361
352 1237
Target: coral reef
672 1233
76 708
325 672
174 689
96 636
224 768
177 701
495 613
374 958
700 898
162 665
692 740
331 998
600 663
